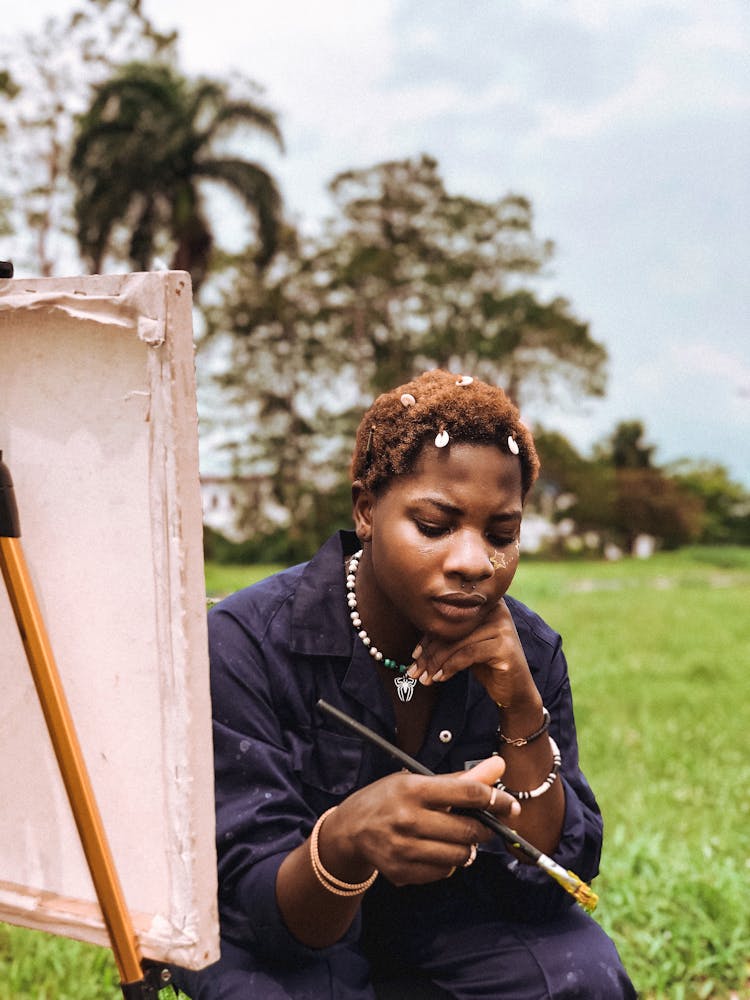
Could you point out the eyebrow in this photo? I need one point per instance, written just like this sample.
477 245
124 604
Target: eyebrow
448 508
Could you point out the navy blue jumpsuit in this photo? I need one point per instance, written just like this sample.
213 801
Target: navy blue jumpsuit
500 929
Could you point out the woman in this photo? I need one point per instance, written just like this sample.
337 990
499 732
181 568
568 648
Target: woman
340 875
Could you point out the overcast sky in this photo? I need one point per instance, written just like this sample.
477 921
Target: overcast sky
626 122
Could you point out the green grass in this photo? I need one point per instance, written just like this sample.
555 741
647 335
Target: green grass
659 652
225 579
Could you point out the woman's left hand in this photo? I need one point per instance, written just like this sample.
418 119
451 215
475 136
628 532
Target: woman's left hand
493 653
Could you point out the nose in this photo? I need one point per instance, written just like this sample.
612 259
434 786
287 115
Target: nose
468 556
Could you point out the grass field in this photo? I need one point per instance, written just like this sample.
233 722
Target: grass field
659 653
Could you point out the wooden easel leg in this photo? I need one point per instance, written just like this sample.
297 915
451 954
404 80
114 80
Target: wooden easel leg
74 774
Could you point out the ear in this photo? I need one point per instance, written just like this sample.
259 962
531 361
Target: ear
363 504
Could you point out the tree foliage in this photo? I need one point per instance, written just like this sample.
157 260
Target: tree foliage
292 390
626 447
725 504
143 152
427 278
621 493
651 503
51 73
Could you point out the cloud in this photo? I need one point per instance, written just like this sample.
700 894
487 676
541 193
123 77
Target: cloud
690 62
690 271
707 360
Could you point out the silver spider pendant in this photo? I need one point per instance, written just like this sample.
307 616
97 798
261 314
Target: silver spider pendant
405 686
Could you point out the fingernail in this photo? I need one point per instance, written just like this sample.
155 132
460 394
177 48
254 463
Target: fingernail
417 651
413 671
438 675
515 808
425 679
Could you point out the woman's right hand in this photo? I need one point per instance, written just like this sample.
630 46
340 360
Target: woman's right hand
411 827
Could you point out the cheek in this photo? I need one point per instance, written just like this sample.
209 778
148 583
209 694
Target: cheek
506 563
504 560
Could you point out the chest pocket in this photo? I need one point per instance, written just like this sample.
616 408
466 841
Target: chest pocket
330 763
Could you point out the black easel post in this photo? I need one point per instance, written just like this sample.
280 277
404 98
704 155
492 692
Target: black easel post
138 982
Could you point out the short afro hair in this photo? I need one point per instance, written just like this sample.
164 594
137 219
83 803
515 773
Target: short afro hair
392 433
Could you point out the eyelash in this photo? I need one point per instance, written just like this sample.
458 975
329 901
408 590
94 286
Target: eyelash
436 531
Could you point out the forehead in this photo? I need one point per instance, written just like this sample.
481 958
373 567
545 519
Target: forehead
464 474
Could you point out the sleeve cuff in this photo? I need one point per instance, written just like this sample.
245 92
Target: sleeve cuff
268 935
579 848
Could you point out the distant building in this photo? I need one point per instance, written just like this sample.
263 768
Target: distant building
224 500
229 502
537 532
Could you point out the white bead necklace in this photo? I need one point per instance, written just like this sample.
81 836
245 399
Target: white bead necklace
404 685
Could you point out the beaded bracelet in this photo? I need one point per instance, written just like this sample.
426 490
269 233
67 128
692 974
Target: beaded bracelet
522 741
328 881
545 785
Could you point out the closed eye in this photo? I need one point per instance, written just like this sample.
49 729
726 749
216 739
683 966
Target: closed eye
501 541
432 530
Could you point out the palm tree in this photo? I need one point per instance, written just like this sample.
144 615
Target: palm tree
141 154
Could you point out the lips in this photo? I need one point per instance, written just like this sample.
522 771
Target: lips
459 606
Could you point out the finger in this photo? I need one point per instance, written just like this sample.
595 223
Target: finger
448 815
437 662
481 650
472 856
487 771
471 790
421 858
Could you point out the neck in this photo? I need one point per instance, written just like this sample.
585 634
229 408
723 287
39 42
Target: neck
391 632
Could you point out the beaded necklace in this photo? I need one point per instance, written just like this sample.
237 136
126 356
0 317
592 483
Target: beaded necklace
404 685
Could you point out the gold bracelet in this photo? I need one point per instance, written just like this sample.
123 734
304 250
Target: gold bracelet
328 881
523 741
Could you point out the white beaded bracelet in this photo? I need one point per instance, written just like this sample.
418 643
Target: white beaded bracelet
328 881
545 785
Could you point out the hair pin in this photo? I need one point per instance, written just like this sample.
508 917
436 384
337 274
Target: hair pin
368 449
442 438
512 444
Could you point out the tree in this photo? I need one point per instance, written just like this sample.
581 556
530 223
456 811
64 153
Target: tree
726 504
648 502
644 499
404 277
625 448
619 493
289 398
53 72
426 278
144 151
8 90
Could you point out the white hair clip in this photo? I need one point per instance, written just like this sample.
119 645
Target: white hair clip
465 380
512 444
442 439
407 399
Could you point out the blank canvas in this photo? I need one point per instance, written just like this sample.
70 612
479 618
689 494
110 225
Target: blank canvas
98 427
